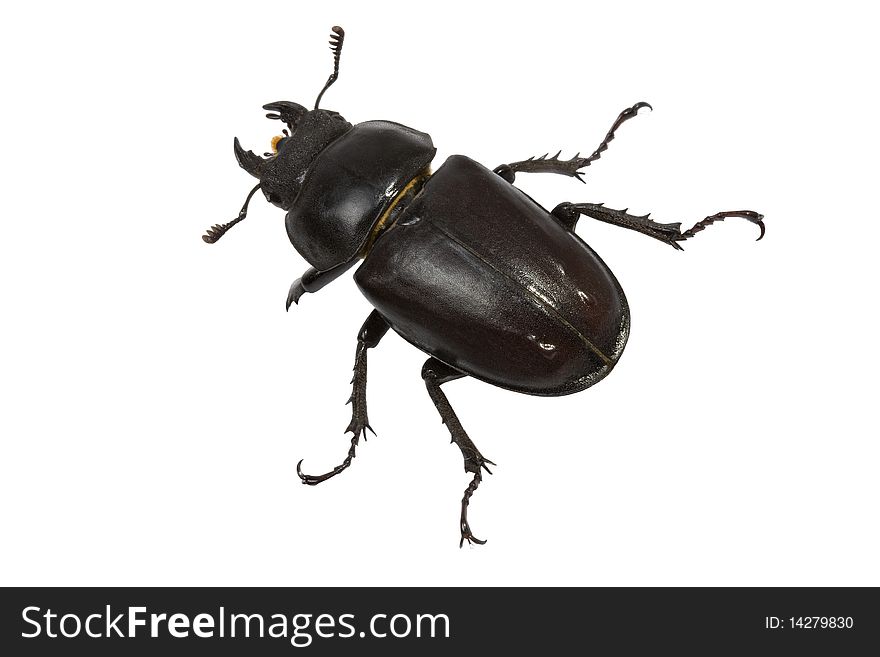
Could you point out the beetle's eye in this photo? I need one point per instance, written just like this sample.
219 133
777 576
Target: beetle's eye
275 141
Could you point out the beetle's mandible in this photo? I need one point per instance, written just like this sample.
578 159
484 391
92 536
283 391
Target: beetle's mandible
459 262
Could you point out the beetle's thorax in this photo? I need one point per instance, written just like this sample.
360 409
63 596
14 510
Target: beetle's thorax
352 186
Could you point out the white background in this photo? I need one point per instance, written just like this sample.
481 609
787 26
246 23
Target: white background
156 397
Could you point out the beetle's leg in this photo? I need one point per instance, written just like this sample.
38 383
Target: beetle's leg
568 214
371 332
436 373
313 280
570 167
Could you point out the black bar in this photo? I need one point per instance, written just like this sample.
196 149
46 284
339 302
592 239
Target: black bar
705 621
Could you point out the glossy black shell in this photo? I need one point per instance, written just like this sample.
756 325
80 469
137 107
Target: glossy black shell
349 186
477 274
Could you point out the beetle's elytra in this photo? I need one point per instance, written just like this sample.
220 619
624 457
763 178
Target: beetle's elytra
459 262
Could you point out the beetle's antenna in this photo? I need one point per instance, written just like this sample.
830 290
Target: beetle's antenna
336 39
217 231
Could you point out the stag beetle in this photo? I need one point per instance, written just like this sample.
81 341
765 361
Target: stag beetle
459 262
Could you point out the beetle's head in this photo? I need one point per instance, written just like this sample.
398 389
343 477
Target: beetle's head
282 171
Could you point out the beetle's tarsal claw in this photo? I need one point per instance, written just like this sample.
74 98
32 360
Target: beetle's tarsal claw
294 293
749 215
466 533
310 480
470 538
760 223
314 480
